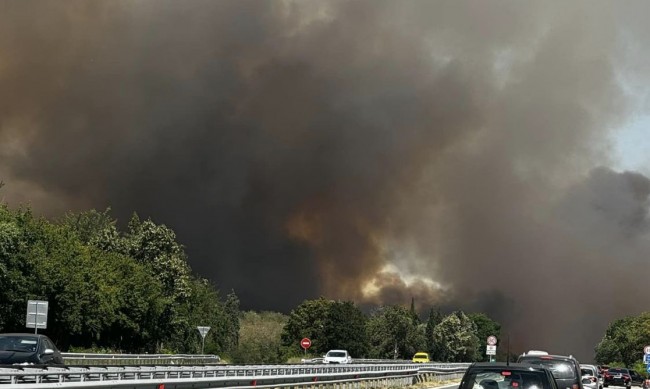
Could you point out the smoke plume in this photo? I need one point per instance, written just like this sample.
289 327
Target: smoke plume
457 152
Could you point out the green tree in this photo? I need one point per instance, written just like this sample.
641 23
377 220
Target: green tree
623 340
260 338
391 333
456 338
435 317
485 327
231 310
308 320
344 328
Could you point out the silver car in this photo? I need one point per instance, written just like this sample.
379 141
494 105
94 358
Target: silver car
590 377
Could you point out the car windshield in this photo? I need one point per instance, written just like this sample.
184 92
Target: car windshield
21 343
336 354
505 379
420 355
560 369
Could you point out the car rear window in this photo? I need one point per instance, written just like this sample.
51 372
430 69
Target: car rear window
617 371
421 355
505 379
336 354
587 371
560 369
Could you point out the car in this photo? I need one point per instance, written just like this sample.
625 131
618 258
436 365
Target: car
502 375
565 369
26 349
590 377
637 379
421 357
620 376
337 356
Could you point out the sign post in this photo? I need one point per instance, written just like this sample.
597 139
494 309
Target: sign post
491 348
36 315
305 343
203 331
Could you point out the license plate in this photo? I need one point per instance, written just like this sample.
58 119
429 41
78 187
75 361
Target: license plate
618 376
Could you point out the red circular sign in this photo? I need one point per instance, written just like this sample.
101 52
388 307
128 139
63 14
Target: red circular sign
492 340
305 343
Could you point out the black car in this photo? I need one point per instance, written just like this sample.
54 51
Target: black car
565 370
28 349
622 377
489 375
637 379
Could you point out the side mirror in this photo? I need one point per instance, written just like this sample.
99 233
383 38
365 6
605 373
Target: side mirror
48 351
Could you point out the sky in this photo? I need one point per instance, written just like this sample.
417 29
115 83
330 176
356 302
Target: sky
485 156
631 144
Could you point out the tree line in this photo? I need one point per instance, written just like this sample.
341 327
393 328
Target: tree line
133 291
623 342
130 291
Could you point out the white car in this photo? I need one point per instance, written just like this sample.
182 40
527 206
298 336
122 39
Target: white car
337 356
590 377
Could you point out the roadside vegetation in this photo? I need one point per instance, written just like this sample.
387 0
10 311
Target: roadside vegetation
132 291
623 342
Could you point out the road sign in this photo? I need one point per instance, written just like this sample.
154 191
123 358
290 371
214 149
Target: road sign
646 359
492 340
305 343
646 350
203 331
36 314
648 369
491 350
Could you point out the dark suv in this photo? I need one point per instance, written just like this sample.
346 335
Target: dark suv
490 375
622 377
565 370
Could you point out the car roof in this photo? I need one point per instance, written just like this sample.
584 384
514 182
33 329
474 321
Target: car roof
343 351
509 366
549 356
20 334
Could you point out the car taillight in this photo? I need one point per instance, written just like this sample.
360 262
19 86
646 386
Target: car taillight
575 386
593 379
627 377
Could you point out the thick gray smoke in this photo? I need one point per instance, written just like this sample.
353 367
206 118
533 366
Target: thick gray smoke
452 151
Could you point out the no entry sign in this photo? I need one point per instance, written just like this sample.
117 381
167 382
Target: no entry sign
305 343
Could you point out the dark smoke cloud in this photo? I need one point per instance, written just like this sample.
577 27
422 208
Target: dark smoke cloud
369 150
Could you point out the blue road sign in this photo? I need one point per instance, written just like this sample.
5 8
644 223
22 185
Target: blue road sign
648 369
646 359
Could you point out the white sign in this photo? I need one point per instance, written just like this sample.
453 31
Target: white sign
492 340
491 350
36 314
203 331
646 350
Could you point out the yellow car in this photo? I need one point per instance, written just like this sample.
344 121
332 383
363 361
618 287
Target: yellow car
421 358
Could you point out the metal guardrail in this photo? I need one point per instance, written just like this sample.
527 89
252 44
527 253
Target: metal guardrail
187 377
137 356
88 359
